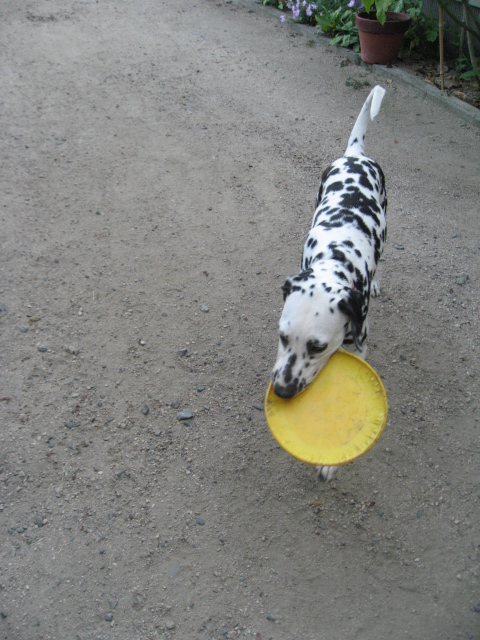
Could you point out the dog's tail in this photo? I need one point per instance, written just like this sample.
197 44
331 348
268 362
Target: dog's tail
369 110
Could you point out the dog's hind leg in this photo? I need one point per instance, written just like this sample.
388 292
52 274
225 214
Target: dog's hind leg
325 474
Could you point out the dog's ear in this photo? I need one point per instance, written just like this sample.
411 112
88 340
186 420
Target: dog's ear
287 287
353 306
290 285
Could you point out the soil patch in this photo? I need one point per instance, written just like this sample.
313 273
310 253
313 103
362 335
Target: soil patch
429 69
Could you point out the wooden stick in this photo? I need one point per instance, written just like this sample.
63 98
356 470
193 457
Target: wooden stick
440 39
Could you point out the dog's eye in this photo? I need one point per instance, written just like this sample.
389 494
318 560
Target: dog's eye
314 347
284 340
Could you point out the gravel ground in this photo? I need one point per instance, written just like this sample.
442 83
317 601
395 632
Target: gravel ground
160 162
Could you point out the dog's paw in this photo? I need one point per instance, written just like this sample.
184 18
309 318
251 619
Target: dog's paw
325 474
375 289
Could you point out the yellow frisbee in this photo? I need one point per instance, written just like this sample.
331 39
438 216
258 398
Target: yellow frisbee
336 419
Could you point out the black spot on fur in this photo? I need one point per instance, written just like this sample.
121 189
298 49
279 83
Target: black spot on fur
328 173
356 199
365 182
355 166
360 282
287 374
335 186
305 275
327 225
341 276
339 256
354 308
287 288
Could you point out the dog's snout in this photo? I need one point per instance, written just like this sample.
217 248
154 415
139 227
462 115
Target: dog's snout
286 391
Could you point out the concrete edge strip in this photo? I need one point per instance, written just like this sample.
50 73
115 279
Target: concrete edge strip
463 110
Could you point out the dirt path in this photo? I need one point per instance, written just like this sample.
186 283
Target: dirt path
160 162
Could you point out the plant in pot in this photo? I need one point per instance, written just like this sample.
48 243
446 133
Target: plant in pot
381 27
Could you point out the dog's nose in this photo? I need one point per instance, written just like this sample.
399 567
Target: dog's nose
287 391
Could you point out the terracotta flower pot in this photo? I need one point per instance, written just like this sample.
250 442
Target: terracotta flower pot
380 44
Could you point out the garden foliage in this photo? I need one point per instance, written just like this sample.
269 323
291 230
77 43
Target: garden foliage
336 18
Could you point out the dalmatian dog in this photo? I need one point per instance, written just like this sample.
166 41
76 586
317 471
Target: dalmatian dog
326 304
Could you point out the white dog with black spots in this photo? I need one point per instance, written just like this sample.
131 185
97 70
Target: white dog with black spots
326 305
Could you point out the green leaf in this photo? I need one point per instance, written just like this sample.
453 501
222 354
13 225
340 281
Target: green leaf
382 6
396 6
324 22
368 5
381 15
473 73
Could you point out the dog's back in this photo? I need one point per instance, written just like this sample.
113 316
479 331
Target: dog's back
353 186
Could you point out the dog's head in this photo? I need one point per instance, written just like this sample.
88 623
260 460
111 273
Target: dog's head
315 319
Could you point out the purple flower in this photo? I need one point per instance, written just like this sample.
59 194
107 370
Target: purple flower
351 4
283 18
296 10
